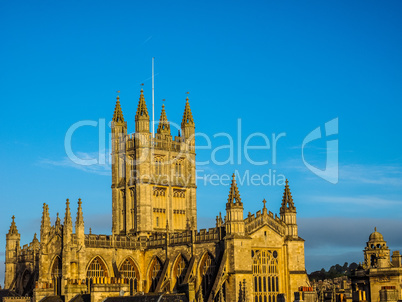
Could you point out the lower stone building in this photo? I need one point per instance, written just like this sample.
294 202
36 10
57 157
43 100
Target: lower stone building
379 277
155 246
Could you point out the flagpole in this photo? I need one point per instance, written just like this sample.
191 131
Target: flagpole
153 100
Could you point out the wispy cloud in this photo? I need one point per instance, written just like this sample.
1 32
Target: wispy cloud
147 40
368 200
98 168
372 174
384 175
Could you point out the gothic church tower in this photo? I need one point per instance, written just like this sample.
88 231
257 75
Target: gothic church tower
153 179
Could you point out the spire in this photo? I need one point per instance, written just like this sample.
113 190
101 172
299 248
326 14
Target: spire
187 123
45 223
79 225
13 228
58 223
118 113
142 117
234 196
287 200
80 217
45 217
187 116
142 110
164 125
67 217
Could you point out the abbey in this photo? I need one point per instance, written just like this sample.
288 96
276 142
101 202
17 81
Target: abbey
155 246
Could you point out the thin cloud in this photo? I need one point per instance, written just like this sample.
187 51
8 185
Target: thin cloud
384 175
99 169
147 40
371 201
372 174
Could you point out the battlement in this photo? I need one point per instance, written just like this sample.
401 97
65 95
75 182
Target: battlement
160 142
254 221
156 241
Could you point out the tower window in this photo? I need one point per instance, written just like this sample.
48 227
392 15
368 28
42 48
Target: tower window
158 166
178 169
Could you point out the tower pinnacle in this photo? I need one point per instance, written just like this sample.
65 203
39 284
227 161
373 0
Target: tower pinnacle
118 113
234 196
142 110
287 200
142 116
187 115
13 228
80 217
164 125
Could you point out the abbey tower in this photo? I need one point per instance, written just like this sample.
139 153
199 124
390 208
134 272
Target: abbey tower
153 179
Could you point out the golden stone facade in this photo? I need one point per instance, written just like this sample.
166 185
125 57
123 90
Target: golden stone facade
155 245
378 278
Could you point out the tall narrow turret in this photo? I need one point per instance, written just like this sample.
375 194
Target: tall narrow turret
164 125
68 225
187 123
12 251
142 117
119 162
79 224
234 211
45 224
288 212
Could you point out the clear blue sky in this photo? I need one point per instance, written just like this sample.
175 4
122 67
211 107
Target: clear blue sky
278 66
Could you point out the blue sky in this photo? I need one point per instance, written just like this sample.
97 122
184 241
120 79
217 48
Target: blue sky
277 66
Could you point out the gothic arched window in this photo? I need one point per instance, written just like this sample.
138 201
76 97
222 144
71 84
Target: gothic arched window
207 270
265 275
180 270
155 274
129 270
178 169
158 166
97 268
56 275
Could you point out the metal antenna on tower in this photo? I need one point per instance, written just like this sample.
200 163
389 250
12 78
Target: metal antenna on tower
153 99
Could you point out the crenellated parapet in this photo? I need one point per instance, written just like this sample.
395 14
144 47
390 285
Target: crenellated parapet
256 221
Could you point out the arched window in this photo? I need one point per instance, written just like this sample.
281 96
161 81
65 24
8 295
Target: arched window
158 166
129 270
97 268
178 169
265 275
180 270
154 274
56 276
207 271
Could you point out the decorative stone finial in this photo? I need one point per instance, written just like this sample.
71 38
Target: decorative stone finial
287 200
234 196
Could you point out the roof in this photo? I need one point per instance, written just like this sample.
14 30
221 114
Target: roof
150 298
81 298
376 236
52 299
7 293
